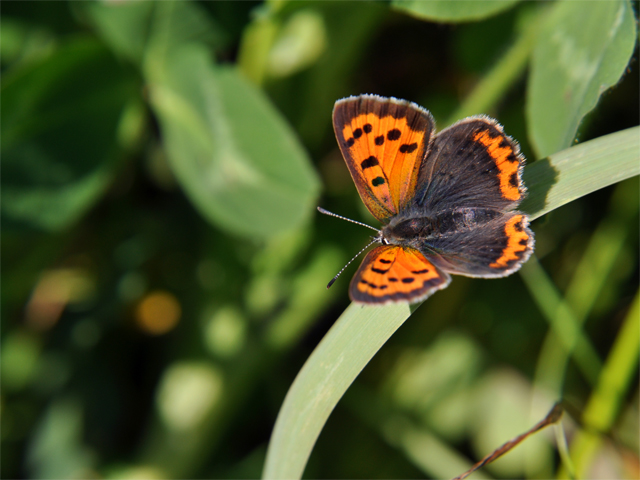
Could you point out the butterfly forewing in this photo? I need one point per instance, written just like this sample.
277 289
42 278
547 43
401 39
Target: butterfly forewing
384 141
472 164
390 273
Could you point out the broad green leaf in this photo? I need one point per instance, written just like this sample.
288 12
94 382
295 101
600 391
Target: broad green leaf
361 331
583 49
124 26
60 118
448 11
234 155
129 27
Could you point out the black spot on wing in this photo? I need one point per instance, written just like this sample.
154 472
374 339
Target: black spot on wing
379 270
373 285
408 148
369 162
394 134
513 180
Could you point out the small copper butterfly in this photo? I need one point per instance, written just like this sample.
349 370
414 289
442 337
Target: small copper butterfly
448 201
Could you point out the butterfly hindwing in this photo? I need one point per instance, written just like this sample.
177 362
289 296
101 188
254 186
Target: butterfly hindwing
493 249
383 141
472 164
390 273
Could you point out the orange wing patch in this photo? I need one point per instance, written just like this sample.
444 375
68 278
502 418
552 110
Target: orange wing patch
383 142
506 161
390 152
391 273
518 242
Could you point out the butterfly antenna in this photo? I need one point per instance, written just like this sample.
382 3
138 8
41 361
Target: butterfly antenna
349 262
331 214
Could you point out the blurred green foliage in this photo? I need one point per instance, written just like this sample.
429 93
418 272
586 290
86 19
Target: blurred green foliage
163 272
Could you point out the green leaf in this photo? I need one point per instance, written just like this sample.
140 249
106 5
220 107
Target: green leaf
583 49
236 158
130 27
361 331
60 118
448 11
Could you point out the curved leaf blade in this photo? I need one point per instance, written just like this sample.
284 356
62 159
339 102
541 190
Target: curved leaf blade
335 363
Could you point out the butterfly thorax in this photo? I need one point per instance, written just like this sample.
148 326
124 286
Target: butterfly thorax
413 229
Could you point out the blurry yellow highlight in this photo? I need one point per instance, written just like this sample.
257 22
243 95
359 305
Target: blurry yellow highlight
158 312
188 393
225 332
138 472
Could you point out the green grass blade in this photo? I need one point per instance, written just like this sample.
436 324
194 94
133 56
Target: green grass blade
580 170
602 409
361 331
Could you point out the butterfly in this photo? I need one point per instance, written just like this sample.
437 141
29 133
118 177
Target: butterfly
448 201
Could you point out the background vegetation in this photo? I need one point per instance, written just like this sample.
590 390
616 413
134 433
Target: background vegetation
164 270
